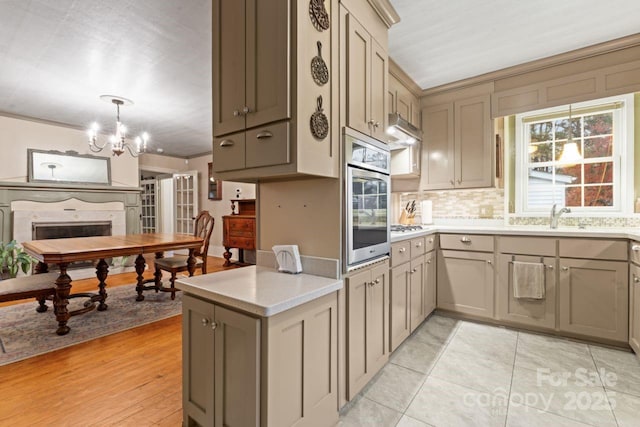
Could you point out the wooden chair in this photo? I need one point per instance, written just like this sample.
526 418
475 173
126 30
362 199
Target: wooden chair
177 263
39 286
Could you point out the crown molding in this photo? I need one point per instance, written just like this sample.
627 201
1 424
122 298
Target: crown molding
386 11
541 64
404 78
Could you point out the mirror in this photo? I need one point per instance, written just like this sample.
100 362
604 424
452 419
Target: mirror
68 167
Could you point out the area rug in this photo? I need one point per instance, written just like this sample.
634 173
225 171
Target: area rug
25 333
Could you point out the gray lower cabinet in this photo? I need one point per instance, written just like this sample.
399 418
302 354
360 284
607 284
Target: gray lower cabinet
594 298
429 283
221 365
416 285
239 370
634 308
399 319
465 282
530 312
367 325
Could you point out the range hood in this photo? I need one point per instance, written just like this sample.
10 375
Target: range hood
401 133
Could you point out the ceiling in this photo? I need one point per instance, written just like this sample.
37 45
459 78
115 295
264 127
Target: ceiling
58 57
439 42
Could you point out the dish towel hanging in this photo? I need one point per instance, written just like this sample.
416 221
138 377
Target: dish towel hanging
528 280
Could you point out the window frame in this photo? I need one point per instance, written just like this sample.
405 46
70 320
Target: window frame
623 159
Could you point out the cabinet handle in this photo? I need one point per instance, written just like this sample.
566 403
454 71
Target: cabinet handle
419 245
414 270
465 239
489 261
375 282
227 143
565 268
236 113
635 248
636 279
452 182
402 250
376 125
459 181
550 267
428 261
205 321
214 325
264 135
431 240
246 110
371 122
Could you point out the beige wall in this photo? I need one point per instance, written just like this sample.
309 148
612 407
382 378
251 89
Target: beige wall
17 135
162 164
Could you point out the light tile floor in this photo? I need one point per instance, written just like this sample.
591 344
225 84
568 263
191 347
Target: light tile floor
457 373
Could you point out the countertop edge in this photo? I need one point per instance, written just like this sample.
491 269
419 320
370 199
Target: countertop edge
257 309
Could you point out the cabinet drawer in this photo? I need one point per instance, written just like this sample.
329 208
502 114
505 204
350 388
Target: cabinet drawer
241 225
240 242
268 145
417 247
527 245
593 249
429 243
634 251
228 152
466 242
400 252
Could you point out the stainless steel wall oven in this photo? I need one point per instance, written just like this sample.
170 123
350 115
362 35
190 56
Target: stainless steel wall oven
367 191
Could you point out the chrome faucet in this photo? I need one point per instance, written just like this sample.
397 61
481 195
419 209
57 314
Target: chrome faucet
556 215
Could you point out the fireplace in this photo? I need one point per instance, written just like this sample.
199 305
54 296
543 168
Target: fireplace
61 230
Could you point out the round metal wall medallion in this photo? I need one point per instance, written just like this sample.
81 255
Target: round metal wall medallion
319 15
319 122
319 70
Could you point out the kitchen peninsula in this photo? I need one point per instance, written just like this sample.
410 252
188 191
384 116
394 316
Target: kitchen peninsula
275 336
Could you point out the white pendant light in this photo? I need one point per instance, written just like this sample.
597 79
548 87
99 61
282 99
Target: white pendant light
570 152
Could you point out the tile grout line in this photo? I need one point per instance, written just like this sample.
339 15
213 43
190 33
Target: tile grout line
426 376
604 389
513 373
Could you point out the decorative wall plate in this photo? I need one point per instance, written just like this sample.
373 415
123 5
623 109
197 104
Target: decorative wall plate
319 70
319 122
319 15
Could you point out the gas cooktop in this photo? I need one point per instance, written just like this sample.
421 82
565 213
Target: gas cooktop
402 228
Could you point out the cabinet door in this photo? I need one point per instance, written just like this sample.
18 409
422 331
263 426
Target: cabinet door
416 277
267 75
237 369
404 106
379 88
429 283
229 152
228 66
473 143
378 318
358 76
358 371
594 298
541 313
399 321
197 362
465 282
634 309
415 117
437 151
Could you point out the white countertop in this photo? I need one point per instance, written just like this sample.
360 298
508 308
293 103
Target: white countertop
259 290
521 230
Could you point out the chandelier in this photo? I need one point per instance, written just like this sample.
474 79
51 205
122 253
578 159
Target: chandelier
117 141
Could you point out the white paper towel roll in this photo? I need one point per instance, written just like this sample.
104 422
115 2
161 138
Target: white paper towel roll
427 211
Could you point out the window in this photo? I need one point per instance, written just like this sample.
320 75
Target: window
594 183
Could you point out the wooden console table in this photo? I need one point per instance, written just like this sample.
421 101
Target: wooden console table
239 229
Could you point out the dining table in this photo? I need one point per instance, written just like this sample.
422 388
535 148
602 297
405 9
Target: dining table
62 252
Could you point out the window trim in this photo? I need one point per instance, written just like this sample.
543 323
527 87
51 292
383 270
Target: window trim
623 159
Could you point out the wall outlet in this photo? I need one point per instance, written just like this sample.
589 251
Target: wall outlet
485 211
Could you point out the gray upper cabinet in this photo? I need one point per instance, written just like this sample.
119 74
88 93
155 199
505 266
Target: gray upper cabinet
250 64
367 81
458 149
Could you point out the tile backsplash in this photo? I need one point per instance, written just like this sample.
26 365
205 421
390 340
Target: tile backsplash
465 204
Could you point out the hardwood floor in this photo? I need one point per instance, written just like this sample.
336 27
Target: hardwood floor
132 378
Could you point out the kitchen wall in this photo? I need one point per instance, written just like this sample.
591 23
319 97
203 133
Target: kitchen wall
19 134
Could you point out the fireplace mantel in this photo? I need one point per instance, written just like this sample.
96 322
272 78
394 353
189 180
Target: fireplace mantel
11 192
